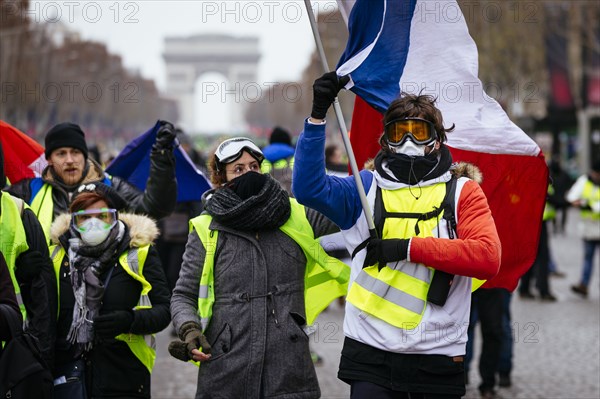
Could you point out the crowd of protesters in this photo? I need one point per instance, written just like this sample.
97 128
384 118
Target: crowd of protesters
95 266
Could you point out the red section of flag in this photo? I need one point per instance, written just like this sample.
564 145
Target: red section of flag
367 126
516 196
20 153
511 183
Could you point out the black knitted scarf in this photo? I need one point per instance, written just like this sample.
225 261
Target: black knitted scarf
267 210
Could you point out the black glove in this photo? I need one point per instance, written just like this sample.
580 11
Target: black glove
384 251
325 90
165 136
29 264
111 324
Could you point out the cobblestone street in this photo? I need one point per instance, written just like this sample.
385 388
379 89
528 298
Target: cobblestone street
556 350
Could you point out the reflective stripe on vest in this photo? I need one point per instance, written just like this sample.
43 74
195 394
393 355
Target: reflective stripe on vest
398 293
43 207
326 278
590 195
13 240
132 261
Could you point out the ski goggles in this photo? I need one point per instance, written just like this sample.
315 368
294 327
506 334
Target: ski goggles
420 131
230 150
108 216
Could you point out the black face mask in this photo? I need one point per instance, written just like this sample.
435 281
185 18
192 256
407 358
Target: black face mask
248 184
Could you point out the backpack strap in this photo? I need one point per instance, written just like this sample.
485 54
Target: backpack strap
449 207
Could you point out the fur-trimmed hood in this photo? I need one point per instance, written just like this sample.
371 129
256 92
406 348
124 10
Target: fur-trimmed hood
458 169
142 229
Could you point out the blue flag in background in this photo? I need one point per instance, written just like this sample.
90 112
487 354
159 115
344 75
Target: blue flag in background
133 165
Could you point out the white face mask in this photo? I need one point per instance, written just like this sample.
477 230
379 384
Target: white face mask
94 231
409 148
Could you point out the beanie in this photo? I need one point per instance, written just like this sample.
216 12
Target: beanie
280 135
65 135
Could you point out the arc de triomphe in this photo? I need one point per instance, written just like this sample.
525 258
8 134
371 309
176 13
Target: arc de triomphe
187 58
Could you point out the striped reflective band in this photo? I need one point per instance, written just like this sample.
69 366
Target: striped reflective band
132 260
203 291
390 293
150 341
415 270
134 265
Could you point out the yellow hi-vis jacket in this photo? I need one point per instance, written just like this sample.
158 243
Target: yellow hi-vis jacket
43 207
590 194
326 278
13 240
397 294
549 209
132 261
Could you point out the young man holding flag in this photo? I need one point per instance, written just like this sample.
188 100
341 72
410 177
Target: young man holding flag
408 302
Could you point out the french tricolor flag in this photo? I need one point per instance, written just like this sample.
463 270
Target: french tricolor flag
23 156
424 46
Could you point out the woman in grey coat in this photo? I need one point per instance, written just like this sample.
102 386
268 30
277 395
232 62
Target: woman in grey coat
254 344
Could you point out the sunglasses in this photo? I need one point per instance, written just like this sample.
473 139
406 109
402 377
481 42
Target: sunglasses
420 131
230 150
106 215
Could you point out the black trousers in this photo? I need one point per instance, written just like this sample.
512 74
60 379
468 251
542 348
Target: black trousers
373 373
539 270
369 390
488 304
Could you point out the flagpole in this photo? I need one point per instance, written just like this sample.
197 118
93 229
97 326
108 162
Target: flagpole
342 123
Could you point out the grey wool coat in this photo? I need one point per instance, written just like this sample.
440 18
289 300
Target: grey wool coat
259 348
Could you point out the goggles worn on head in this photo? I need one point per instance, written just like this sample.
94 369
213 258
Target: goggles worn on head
105 215
230 150
421 131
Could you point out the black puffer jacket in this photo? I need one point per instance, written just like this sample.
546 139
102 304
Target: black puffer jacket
112 370
157 201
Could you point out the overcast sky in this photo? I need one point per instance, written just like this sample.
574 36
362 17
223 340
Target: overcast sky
136 29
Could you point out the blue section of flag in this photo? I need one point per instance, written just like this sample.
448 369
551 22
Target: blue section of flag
377 77
133 165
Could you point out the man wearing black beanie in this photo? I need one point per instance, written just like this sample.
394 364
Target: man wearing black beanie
69 167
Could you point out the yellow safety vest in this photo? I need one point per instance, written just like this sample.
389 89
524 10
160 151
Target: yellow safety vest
397 294
43 207
590 194
549 210
267 166
13 240
132 261
326 278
